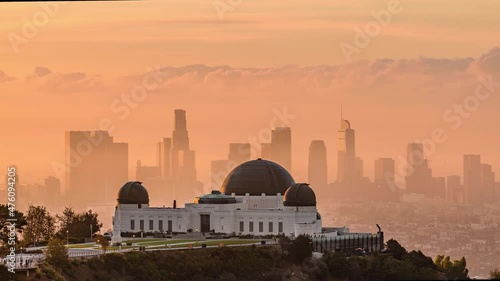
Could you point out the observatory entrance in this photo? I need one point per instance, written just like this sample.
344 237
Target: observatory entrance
205 223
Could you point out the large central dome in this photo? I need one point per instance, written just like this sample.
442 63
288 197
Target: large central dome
257 177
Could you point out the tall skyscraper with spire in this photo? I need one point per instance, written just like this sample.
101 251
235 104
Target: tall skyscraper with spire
180 135
317 168
347 169
183 159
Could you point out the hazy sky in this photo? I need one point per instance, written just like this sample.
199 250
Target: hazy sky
232 73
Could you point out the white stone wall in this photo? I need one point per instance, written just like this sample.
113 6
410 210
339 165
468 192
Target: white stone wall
225 218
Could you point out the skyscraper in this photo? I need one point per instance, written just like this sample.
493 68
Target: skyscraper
182 158
180 135
52 191
346 167
265 151
281 147
164 157
418 174
219 169
454 191
317 168
144 173
239 153
437 188
94 165
385 173
472 179
487 183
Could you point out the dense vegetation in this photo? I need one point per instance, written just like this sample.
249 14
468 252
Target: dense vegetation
291 260
37 226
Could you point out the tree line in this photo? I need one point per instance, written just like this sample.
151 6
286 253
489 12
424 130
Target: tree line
37 226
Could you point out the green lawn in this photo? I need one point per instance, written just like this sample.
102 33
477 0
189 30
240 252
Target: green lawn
215 243
175 243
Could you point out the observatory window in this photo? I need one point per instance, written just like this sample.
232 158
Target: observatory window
271 226
250 226
160 225
242 226
280 227
141 224
132 224
151 224
261 226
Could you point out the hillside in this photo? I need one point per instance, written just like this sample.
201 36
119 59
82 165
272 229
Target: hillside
268 263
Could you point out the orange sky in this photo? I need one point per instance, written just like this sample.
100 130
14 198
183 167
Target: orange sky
263 55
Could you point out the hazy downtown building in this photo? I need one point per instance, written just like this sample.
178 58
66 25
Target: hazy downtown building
472 179
183 159
239 153
438 188
163 157
384 176
265 151
219 169
418 174
487 184
52 192
348 168
143 173
317 166
281 147
95 166
454 189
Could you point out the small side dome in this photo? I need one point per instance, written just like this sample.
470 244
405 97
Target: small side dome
133 192
300 195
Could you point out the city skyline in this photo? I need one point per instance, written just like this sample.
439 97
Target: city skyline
476 185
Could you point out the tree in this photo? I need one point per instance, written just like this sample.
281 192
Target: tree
275 254
338 265
40 225
418 259
5 230
103 241
301 248
78 225
57 253
456 270
395 249
495 274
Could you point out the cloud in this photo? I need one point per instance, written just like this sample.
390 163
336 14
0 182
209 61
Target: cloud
376 80
489 62
52 82
4 77
41 71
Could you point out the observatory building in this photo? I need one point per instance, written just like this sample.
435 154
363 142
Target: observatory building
258 197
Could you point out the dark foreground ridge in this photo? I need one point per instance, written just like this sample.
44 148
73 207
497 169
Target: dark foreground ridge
291 260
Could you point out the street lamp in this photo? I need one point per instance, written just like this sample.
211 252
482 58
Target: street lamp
98 249
67 239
